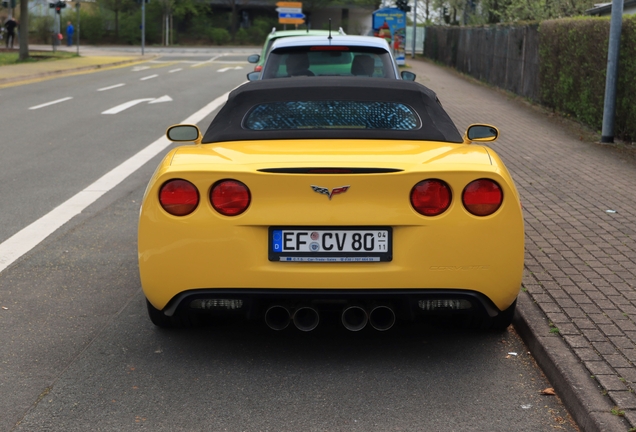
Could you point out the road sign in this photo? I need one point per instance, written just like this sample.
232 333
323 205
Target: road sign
291 21
289 10
291 15
290 5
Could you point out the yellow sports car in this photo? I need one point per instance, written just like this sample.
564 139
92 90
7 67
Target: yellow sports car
321 199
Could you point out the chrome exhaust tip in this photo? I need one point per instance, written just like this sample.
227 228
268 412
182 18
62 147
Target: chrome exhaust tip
354 318
382 318
306 318
277 317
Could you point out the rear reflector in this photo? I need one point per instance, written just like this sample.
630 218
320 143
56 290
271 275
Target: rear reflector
444 304
207 304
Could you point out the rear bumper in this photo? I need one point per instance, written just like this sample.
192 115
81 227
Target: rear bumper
408 304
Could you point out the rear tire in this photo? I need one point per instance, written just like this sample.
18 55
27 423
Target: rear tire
161 320
502 321
158 318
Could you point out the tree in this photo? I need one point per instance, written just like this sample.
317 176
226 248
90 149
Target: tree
117 7
496 11
493 11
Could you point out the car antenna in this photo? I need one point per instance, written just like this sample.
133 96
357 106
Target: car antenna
329 30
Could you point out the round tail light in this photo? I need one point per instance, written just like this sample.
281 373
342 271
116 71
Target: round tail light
431 197
230 197
482 197
179 197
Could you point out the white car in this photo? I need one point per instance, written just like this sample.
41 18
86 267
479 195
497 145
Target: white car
331 55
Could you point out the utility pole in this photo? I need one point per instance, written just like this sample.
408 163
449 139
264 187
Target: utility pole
77 6
143 25
414 27
611 80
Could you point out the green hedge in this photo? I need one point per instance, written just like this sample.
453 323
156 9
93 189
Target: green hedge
573 66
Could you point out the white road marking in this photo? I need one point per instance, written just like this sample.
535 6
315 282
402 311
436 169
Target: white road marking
111 87
148 77
140 68
165 98
224 69
29 237
175 70
208 61
125 106
238 67
50 103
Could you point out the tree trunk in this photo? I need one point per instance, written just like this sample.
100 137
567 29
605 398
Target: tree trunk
117 25
163 29
234 20
24 30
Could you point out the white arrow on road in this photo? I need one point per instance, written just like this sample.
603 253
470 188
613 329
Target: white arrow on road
165 98
125 106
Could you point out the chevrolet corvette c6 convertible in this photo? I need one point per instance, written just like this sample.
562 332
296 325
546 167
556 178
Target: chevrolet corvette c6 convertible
346 200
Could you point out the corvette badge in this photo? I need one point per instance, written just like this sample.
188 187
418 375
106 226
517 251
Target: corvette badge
326 191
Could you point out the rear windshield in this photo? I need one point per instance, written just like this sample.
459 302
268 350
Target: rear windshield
331 114
329 61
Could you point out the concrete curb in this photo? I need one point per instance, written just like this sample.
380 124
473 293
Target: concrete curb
68 71
571 380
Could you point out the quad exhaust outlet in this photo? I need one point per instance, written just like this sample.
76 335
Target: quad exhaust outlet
353 318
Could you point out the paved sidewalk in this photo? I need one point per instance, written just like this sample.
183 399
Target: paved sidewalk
579 202
577 311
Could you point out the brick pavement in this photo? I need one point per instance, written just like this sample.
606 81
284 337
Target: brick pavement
579 201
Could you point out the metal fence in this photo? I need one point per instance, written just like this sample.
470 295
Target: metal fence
506 57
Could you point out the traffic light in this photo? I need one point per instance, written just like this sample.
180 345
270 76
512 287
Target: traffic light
403 5
58 6
8 4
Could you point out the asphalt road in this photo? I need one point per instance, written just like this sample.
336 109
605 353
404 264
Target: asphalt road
78 353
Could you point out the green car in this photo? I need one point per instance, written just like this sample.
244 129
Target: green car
260 59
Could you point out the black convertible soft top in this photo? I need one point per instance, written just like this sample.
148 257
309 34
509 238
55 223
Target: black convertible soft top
230 123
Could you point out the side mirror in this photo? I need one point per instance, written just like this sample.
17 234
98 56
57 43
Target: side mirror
408 76
184 133
253 76
254 58
481 133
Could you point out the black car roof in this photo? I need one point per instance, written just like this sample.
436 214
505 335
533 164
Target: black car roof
436 125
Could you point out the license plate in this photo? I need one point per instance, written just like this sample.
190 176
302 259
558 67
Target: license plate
330 244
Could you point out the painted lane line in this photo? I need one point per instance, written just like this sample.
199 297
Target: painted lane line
238 67
29 237
140 68
224 69
175 70
125 106
111 87
148 77
50 103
